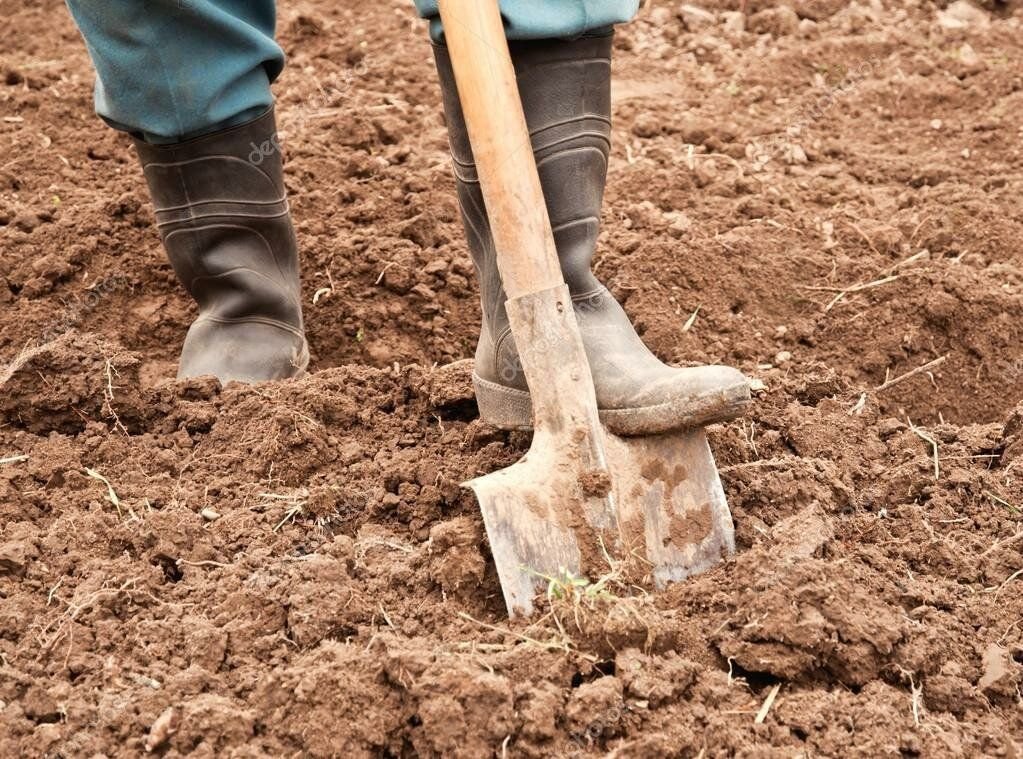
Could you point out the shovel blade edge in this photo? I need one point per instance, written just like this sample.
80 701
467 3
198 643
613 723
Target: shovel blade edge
528 537
672 509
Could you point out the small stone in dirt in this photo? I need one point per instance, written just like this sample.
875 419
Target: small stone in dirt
807 27
646 125
963 15
424 291
209 514
436 266
794 154
680 223
818 10
970 62
774 21
757 385
163 728
782 357
936 124
351 452
995 668
15 556
26 222
734 21
696 18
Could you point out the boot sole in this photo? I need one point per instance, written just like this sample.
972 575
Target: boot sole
509 408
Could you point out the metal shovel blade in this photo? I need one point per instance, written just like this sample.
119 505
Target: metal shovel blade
664 505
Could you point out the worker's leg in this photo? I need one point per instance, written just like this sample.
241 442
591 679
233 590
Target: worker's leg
565 86
171 69
546 19
190 79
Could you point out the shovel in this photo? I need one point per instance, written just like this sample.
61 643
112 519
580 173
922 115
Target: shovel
582 502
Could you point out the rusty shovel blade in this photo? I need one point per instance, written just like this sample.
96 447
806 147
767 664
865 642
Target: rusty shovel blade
658 499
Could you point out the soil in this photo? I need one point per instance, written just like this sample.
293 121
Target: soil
826 195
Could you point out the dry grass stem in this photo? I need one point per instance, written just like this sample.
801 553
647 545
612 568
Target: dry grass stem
766 707
911 373
926 436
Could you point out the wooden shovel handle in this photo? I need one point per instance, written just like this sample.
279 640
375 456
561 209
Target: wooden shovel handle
539 305
526 256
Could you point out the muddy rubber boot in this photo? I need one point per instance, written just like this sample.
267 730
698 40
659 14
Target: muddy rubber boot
566 93
222 213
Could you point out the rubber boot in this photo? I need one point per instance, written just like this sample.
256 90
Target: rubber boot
566 94
222 213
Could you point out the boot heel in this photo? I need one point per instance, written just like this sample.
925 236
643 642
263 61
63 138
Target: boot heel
504 407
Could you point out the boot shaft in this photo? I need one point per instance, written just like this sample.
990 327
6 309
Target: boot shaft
222 213
565 88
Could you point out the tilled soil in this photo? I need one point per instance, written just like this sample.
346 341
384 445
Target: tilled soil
832 188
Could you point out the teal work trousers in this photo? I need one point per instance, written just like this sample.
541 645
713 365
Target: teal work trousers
167 70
